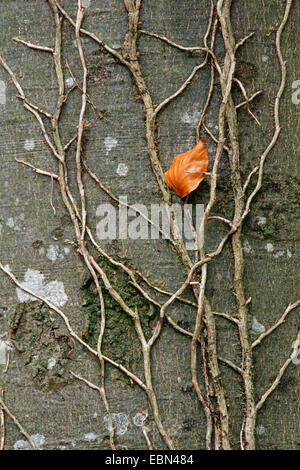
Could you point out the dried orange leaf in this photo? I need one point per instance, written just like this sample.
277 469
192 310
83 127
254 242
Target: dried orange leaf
187 170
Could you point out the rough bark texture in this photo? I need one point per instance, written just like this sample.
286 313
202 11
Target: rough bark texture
51 403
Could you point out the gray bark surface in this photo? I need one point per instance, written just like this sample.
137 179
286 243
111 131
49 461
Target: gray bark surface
50 403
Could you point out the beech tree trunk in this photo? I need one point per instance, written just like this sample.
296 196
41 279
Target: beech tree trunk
59 411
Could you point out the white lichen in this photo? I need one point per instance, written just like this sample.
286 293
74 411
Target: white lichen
10 222
260 429
52 253
69 82
110 143
139 419
38 439
192 118
269 247
5 346
2 93
122 169
53 291
257 328
261 220
51 363
22 445
29 144
120 422
90 436
247 247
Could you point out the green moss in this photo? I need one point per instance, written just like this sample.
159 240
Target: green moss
224 205
120 341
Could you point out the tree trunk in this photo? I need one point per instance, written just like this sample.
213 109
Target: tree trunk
129 147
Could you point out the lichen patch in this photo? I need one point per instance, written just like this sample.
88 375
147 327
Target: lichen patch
37 337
